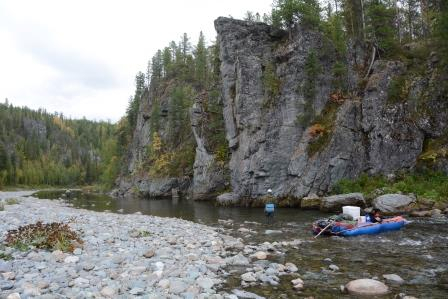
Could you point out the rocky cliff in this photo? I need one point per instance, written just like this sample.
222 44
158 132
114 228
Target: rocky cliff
365 130
295 124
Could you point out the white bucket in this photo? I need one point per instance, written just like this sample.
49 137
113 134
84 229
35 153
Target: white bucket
355 212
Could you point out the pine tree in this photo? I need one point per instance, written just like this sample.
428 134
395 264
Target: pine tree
200 57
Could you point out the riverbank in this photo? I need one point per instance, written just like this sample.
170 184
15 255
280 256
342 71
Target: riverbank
122 255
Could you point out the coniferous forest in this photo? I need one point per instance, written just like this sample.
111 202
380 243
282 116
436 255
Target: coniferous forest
40 148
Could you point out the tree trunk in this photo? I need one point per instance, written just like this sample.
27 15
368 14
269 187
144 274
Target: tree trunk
363 20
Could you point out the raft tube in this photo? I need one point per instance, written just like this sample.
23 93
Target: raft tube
387 225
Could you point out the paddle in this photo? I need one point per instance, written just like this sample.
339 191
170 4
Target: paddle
331 222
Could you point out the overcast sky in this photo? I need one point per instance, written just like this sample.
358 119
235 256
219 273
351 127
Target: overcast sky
80 57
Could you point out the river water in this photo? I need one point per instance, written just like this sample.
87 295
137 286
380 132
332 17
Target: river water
418 253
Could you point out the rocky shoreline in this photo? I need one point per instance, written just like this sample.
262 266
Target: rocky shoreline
122 256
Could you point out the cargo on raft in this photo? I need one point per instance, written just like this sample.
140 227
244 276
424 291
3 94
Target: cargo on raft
347 228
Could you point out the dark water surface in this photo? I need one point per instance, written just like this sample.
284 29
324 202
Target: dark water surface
418 253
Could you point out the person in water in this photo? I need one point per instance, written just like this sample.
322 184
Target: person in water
269 204
374 216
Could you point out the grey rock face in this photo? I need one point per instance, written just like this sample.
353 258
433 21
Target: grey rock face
269 146
393 203
271 142
208 177
336 202
393 142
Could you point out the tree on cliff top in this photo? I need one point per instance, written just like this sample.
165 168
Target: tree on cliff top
286 13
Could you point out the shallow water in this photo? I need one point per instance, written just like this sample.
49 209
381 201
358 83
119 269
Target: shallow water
418 253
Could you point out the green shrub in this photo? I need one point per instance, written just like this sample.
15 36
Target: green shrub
429 185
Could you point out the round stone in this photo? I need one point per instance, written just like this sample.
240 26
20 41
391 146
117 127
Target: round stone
205 283
366 287
248 277
290 267
13 296
261 255
393 278
149 254
71 259
108 292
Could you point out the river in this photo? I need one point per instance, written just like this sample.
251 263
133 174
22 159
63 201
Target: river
418 253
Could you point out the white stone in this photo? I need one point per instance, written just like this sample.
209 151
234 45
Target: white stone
108 292
205 283
164 283
13 296
297 281
81 282
261 255
159 266
9 275
248 277
290 267
393 278
366 287
71 259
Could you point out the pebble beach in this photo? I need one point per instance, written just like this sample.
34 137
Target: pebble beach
123 256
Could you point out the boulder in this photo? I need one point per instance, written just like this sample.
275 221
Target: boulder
227 199
336 202
310 202
366 287
393 203
393 278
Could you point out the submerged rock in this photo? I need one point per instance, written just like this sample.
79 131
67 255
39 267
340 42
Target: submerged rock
393 278
246 295
366 287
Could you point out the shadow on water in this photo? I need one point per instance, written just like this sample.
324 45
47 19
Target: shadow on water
418 253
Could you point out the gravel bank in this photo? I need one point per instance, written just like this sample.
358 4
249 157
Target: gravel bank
122 256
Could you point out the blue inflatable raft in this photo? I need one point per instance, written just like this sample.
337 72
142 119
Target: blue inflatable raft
368 228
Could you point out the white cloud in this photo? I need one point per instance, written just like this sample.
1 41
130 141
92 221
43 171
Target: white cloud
80 57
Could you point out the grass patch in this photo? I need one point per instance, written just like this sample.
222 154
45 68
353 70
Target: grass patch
135 233
428 185
5 256
50 236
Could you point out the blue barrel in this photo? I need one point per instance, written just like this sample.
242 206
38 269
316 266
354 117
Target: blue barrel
269 208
